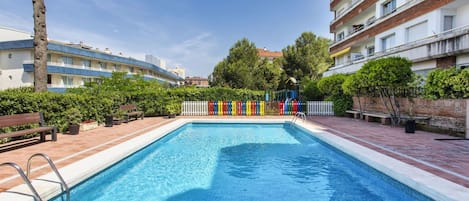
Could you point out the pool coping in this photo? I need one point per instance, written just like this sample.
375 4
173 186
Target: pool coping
429 184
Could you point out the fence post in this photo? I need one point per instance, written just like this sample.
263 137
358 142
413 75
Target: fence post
467 118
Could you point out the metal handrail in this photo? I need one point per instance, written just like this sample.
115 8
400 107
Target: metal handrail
25 179
297 115
54 168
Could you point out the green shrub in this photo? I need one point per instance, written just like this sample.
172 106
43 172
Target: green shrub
312 92
342 103
332 85
447 83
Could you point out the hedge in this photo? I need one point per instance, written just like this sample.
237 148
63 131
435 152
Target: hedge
447 83
97 105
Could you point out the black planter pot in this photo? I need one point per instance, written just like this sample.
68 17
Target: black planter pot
108 122
74 129
410 126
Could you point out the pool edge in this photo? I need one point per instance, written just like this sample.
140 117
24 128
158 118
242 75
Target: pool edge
422 181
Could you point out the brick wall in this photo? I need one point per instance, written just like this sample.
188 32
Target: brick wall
446 114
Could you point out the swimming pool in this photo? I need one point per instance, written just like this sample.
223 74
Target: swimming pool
201 161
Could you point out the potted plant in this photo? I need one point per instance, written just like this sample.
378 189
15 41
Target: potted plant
410 123
73 116
173 108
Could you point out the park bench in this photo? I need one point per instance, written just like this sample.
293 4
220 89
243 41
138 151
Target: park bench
130 110
355 114
383 118
27 118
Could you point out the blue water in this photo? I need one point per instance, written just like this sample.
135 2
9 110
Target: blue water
240 162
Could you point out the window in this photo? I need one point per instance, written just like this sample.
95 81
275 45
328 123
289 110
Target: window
10 55
67 60
102 65
86 64
340 36
448 22
49 79
87 80
67 81
389 7
417 32
131 69
49 58
370 51
117 67
388 42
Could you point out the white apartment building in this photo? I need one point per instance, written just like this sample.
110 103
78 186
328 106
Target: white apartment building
431 33
68 64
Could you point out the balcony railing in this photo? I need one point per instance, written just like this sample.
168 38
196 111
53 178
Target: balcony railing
346 10
372 22
435 46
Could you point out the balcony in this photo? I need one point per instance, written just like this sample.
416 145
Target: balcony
341 13
449 43
372 22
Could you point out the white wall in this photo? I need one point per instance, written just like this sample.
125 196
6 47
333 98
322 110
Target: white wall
462 17
462 59
16 60
15 78
432 19
8 34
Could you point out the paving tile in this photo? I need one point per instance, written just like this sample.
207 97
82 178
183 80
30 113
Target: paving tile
450 155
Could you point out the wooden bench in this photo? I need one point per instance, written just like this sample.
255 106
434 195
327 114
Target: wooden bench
131 111
355 114
27 118
383 118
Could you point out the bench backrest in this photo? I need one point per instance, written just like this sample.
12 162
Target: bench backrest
128 107
20 119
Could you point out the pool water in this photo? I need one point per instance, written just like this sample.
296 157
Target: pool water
240 162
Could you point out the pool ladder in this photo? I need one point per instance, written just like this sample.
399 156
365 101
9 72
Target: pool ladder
26 179
298 115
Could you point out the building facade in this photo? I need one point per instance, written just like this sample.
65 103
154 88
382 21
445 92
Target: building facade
431 33
197 81
68 65
155 60
181 72
269 55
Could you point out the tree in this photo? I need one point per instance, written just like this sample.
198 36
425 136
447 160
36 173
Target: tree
40 46
242 68
308 58
387 77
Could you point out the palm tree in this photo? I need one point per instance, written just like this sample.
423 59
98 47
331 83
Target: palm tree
40 46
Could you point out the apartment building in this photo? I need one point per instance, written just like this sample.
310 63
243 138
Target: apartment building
68 64
431 33
197 81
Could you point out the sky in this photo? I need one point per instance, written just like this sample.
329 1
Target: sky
192 34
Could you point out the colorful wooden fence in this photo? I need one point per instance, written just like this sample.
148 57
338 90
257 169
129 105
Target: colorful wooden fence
236 108
254 108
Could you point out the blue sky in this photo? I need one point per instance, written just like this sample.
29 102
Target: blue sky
194 34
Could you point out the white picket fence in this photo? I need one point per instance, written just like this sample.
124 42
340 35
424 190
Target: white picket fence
194 108
319 108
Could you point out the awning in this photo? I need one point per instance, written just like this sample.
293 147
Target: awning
341 52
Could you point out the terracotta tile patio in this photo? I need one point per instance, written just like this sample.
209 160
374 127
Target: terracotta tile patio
448 159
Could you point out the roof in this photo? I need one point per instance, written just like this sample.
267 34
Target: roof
266 53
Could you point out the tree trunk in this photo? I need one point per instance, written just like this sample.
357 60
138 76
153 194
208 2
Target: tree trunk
40 46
